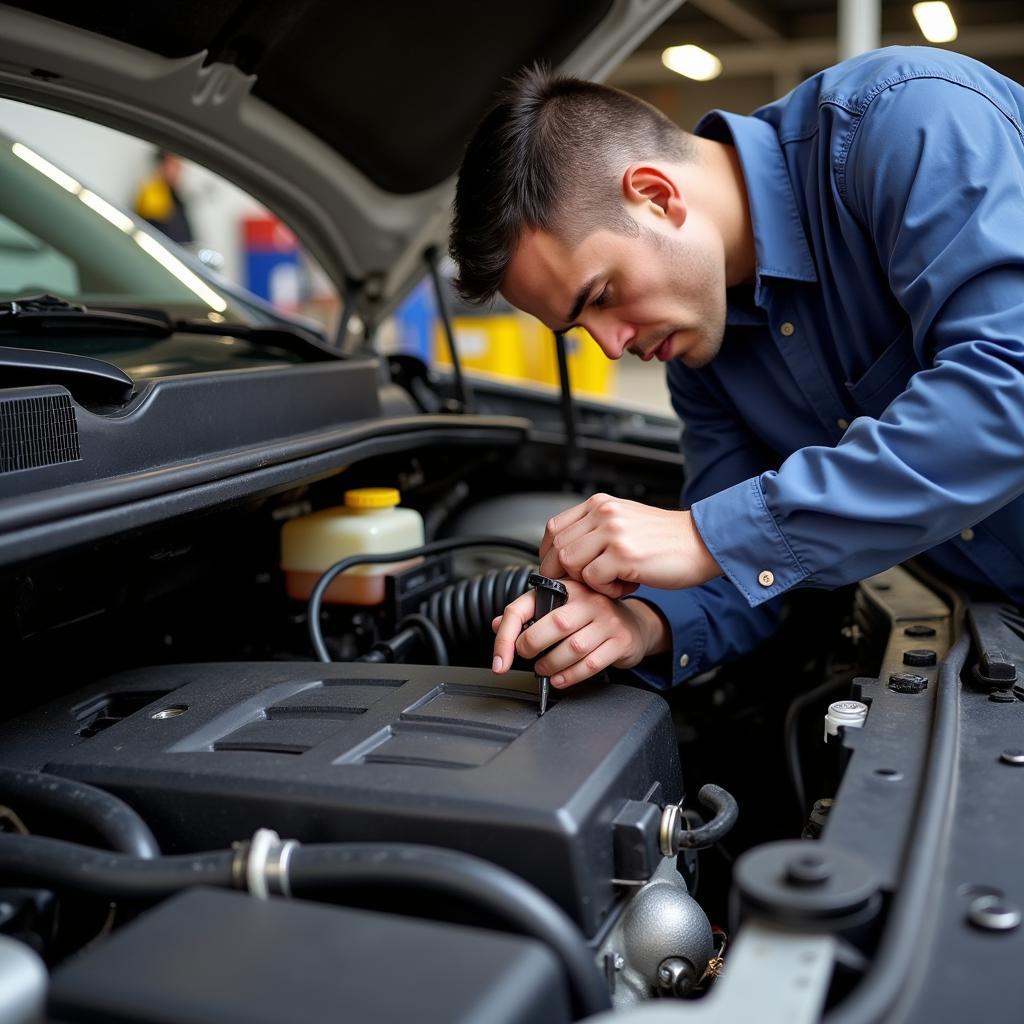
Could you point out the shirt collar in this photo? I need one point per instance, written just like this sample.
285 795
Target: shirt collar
779 238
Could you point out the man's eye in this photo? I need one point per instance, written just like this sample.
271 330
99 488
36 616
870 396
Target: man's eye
601 299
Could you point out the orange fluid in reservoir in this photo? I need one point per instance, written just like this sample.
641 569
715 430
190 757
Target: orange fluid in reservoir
371 522
348 588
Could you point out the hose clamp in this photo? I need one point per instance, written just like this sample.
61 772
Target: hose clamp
266 866
670 817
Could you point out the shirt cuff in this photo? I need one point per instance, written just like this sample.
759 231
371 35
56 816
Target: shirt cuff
746 542
689 629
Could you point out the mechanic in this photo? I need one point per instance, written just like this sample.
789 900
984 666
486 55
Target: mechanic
836 284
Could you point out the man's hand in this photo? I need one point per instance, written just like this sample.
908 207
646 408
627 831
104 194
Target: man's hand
613 545
591 632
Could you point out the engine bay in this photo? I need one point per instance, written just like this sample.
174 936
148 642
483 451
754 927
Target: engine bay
185 783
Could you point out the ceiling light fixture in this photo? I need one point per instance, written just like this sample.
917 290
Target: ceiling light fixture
936 21
692 61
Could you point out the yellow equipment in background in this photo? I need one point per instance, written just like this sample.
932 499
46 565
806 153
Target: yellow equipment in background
519 347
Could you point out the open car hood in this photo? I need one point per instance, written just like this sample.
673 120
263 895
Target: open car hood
348 122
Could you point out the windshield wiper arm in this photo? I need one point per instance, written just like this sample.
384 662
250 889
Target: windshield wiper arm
50 315
47 314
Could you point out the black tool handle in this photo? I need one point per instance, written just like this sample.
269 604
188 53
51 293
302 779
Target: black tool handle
549 594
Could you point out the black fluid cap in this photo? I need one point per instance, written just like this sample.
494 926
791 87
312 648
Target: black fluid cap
907 682
919 630
921 657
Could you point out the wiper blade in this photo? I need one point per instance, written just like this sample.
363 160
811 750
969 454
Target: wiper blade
50 315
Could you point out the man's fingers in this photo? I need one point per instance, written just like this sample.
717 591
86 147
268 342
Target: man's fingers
558 523
514 618
596 661
572 649
553 627
551 567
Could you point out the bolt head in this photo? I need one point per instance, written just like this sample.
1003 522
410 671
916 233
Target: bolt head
618 961
920 657
994 914
919 630
807 870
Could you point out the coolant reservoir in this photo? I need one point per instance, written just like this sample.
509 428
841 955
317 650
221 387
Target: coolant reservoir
371 522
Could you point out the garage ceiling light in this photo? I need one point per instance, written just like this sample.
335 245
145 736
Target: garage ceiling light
106 211
173 265
692 61
936 21
33 159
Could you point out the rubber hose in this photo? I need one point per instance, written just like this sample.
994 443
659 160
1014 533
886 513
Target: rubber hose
463 611
477 882
118 825
430 632
55 863
437 547
726 812
36 860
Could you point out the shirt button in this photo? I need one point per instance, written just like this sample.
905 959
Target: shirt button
684 661
842 424
967 534
787 329
766 577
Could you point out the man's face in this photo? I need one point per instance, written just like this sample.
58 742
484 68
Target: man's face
660 295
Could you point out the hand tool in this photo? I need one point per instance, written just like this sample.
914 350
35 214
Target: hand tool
549 594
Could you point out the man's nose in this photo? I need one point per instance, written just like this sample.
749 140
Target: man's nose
612 338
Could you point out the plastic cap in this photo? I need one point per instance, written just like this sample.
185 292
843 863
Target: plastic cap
851 713
372 497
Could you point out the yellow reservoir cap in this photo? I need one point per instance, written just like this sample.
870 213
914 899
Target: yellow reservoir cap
372 497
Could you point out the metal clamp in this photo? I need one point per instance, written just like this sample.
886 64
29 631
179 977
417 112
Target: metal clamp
266 864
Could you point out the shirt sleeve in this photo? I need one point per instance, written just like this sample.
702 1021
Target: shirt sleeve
712 623
935 176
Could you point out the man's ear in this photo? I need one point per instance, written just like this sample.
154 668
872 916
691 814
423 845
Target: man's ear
648 185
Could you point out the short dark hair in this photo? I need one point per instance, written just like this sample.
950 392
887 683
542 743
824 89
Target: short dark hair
546 155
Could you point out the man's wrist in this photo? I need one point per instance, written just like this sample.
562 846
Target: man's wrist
703 562
656 636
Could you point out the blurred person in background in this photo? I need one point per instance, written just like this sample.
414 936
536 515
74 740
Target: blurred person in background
159 202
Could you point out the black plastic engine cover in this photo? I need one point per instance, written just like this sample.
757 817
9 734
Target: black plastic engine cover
349 752
221 957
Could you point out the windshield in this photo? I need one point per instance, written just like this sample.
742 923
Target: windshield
57 236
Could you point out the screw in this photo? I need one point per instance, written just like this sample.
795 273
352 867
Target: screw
1012 756
919 631
920 657
618 961
994 914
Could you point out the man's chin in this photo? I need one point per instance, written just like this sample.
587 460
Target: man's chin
700 352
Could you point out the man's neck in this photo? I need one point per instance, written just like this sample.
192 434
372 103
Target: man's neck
718 177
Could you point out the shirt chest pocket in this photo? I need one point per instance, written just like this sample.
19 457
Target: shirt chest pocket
887 377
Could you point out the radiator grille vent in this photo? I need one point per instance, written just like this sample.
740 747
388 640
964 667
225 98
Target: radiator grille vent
37 432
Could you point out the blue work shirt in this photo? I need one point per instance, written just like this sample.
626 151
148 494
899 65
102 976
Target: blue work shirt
867 404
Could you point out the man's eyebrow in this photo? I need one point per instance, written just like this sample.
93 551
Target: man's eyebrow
581 301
